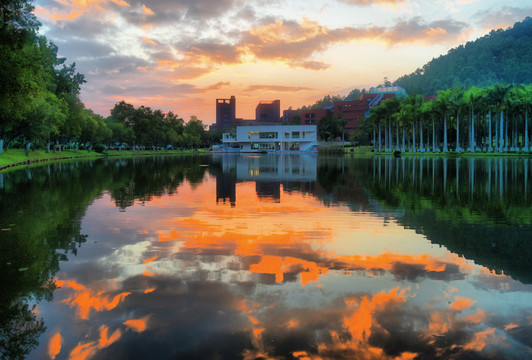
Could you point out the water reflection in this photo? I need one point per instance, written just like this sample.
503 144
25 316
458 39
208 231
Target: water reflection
245 257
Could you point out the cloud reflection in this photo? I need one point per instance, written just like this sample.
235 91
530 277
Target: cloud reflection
195 279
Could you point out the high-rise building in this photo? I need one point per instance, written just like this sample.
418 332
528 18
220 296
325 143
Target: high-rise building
225 112
268 112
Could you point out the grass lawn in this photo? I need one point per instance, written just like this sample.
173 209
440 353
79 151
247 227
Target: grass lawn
14 157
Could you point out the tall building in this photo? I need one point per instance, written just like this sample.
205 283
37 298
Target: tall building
268 112
225 112
290 115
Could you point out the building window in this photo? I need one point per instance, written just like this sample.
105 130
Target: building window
268 135
264 146
295 134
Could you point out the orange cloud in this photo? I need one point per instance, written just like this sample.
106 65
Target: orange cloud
308 271
86 350
86 299
138 325
54 346
461 304
480 340
146 10
149 41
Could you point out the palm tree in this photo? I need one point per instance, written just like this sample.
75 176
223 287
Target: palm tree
389 108
457 103
376 116
473 99
443 103
427 109
498 94
521 96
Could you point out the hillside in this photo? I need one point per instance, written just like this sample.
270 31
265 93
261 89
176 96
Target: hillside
502 56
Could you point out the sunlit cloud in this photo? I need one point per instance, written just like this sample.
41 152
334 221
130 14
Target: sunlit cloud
276 88
115 41
146 10
54 345
384 3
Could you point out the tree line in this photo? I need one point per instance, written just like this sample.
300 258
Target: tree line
40 105
491 119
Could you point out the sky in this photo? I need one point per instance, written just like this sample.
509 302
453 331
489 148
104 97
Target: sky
182 55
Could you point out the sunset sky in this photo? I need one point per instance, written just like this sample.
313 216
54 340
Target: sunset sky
181 55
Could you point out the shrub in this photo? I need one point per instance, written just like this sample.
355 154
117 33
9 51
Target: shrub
99 148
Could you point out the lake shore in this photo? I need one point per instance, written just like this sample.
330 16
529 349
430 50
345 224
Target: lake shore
14 158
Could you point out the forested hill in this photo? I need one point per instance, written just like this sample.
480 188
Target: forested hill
502 56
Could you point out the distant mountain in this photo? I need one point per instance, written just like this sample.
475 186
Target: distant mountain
502 56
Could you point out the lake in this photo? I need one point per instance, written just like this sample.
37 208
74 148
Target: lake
267 257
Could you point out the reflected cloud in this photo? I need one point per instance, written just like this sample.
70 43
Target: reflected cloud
178 274
85 299
87 350
54 346
138 325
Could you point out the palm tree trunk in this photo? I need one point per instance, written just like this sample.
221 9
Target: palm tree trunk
506 132
473 145
457 132
403 149
385 137
380 137
414 136
501 131
445 148
390 134
421 148
433 136
397 137
374 140
526 131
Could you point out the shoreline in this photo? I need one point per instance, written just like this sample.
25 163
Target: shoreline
15 158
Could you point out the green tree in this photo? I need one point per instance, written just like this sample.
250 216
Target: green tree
331 127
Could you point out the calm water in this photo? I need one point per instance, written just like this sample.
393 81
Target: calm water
267 257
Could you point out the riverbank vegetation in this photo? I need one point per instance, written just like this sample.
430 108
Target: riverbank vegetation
488 119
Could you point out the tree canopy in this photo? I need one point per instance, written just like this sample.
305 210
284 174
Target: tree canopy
502 56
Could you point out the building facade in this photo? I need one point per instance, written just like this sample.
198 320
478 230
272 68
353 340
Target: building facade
353 112
271 138
268 112
225 112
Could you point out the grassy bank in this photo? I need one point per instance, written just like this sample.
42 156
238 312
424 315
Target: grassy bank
16 157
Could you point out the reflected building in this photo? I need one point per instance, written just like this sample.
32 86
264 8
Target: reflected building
268 171
225 189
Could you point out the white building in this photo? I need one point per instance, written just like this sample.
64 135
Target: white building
273 138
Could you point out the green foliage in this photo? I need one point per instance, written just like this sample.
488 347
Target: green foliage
458 119
502 56
99 148
331 127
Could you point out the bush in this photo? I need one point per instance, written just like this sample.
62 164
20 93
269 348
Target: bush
99 148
